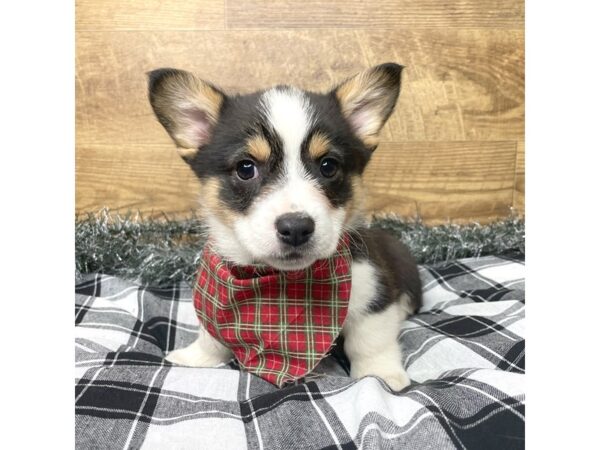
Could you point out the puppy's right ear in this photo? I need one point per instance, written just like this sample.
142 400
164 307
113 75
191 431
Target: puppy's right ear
186 106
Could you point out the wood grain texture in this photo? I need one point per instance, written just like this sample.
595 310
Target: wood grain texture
137 177
453 149
112 103
439 181
519 194
149 15
382 13
468 89
458 85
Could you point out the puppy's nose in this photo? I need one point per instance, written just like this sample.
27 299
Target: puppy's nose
294 228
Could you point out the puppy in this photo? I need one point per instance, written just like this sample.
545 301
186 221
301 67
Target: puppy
285 153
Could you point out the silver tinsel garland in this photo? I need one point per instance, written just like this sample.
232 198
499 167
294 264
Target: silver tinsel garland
161 251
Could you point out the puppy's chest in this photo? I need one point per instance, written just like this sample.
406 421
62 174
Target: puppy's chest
365 287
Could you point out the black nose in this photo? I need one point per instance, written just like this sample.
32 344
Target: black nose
294 228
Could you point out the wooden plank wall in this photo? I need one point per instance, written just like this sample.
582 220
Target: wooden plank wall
452 150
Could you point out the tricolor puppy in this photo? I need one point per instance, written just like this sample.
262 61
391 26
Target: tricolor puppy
280 174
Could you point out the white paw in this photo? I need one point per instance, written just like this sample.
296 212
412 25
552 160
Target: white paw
182 357
396 379
193 356
205 351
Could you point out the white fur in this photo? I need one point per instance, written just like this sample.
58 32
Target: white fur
205 351
371 339
226 241
291 116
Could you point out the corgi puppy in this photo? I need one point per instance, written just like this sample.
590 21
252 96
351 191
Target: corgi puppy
280 175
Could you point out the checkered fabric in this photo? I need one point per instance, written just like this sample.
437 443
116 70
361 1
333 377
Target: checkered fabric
464 352
279 325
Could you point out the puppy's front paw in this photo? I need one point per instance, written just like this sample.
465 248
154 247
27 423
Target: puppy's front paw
397 378
397 381
183 357
194 356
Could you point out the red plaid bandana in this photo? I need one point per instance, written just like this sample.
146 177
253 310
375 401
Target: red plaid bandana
279 325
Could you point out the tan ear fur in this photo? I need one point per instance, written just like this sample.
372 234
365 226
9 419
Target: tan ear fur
368 99
186 106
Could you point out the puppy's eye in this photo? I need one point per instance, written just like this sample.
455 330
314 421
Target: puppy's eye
329 167
246 170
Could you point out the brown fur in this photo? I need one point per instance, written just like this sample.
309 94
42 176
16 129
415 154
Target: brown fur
259 148
355 207
318 146
176 99
211 204
366 94
397 269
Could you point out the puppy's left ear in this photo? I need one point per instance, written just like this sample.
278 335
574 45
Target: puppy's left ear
368 99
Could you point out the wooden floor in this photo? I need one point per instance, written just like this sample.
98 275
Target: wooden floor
452 150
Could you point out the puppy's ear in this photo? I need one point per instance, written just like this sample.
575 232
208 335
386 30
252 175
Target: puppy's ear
186 106
368 99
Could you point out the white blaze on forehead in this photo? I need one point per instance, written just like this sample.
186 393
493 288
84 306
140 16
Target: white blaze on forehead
291 115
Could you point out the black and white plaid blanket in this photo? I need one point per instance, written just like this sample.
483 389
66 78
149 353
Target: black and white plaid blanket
464 352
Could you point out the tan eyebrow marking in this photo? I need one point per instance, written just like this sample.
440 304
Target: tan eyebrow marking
318 146
259 148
